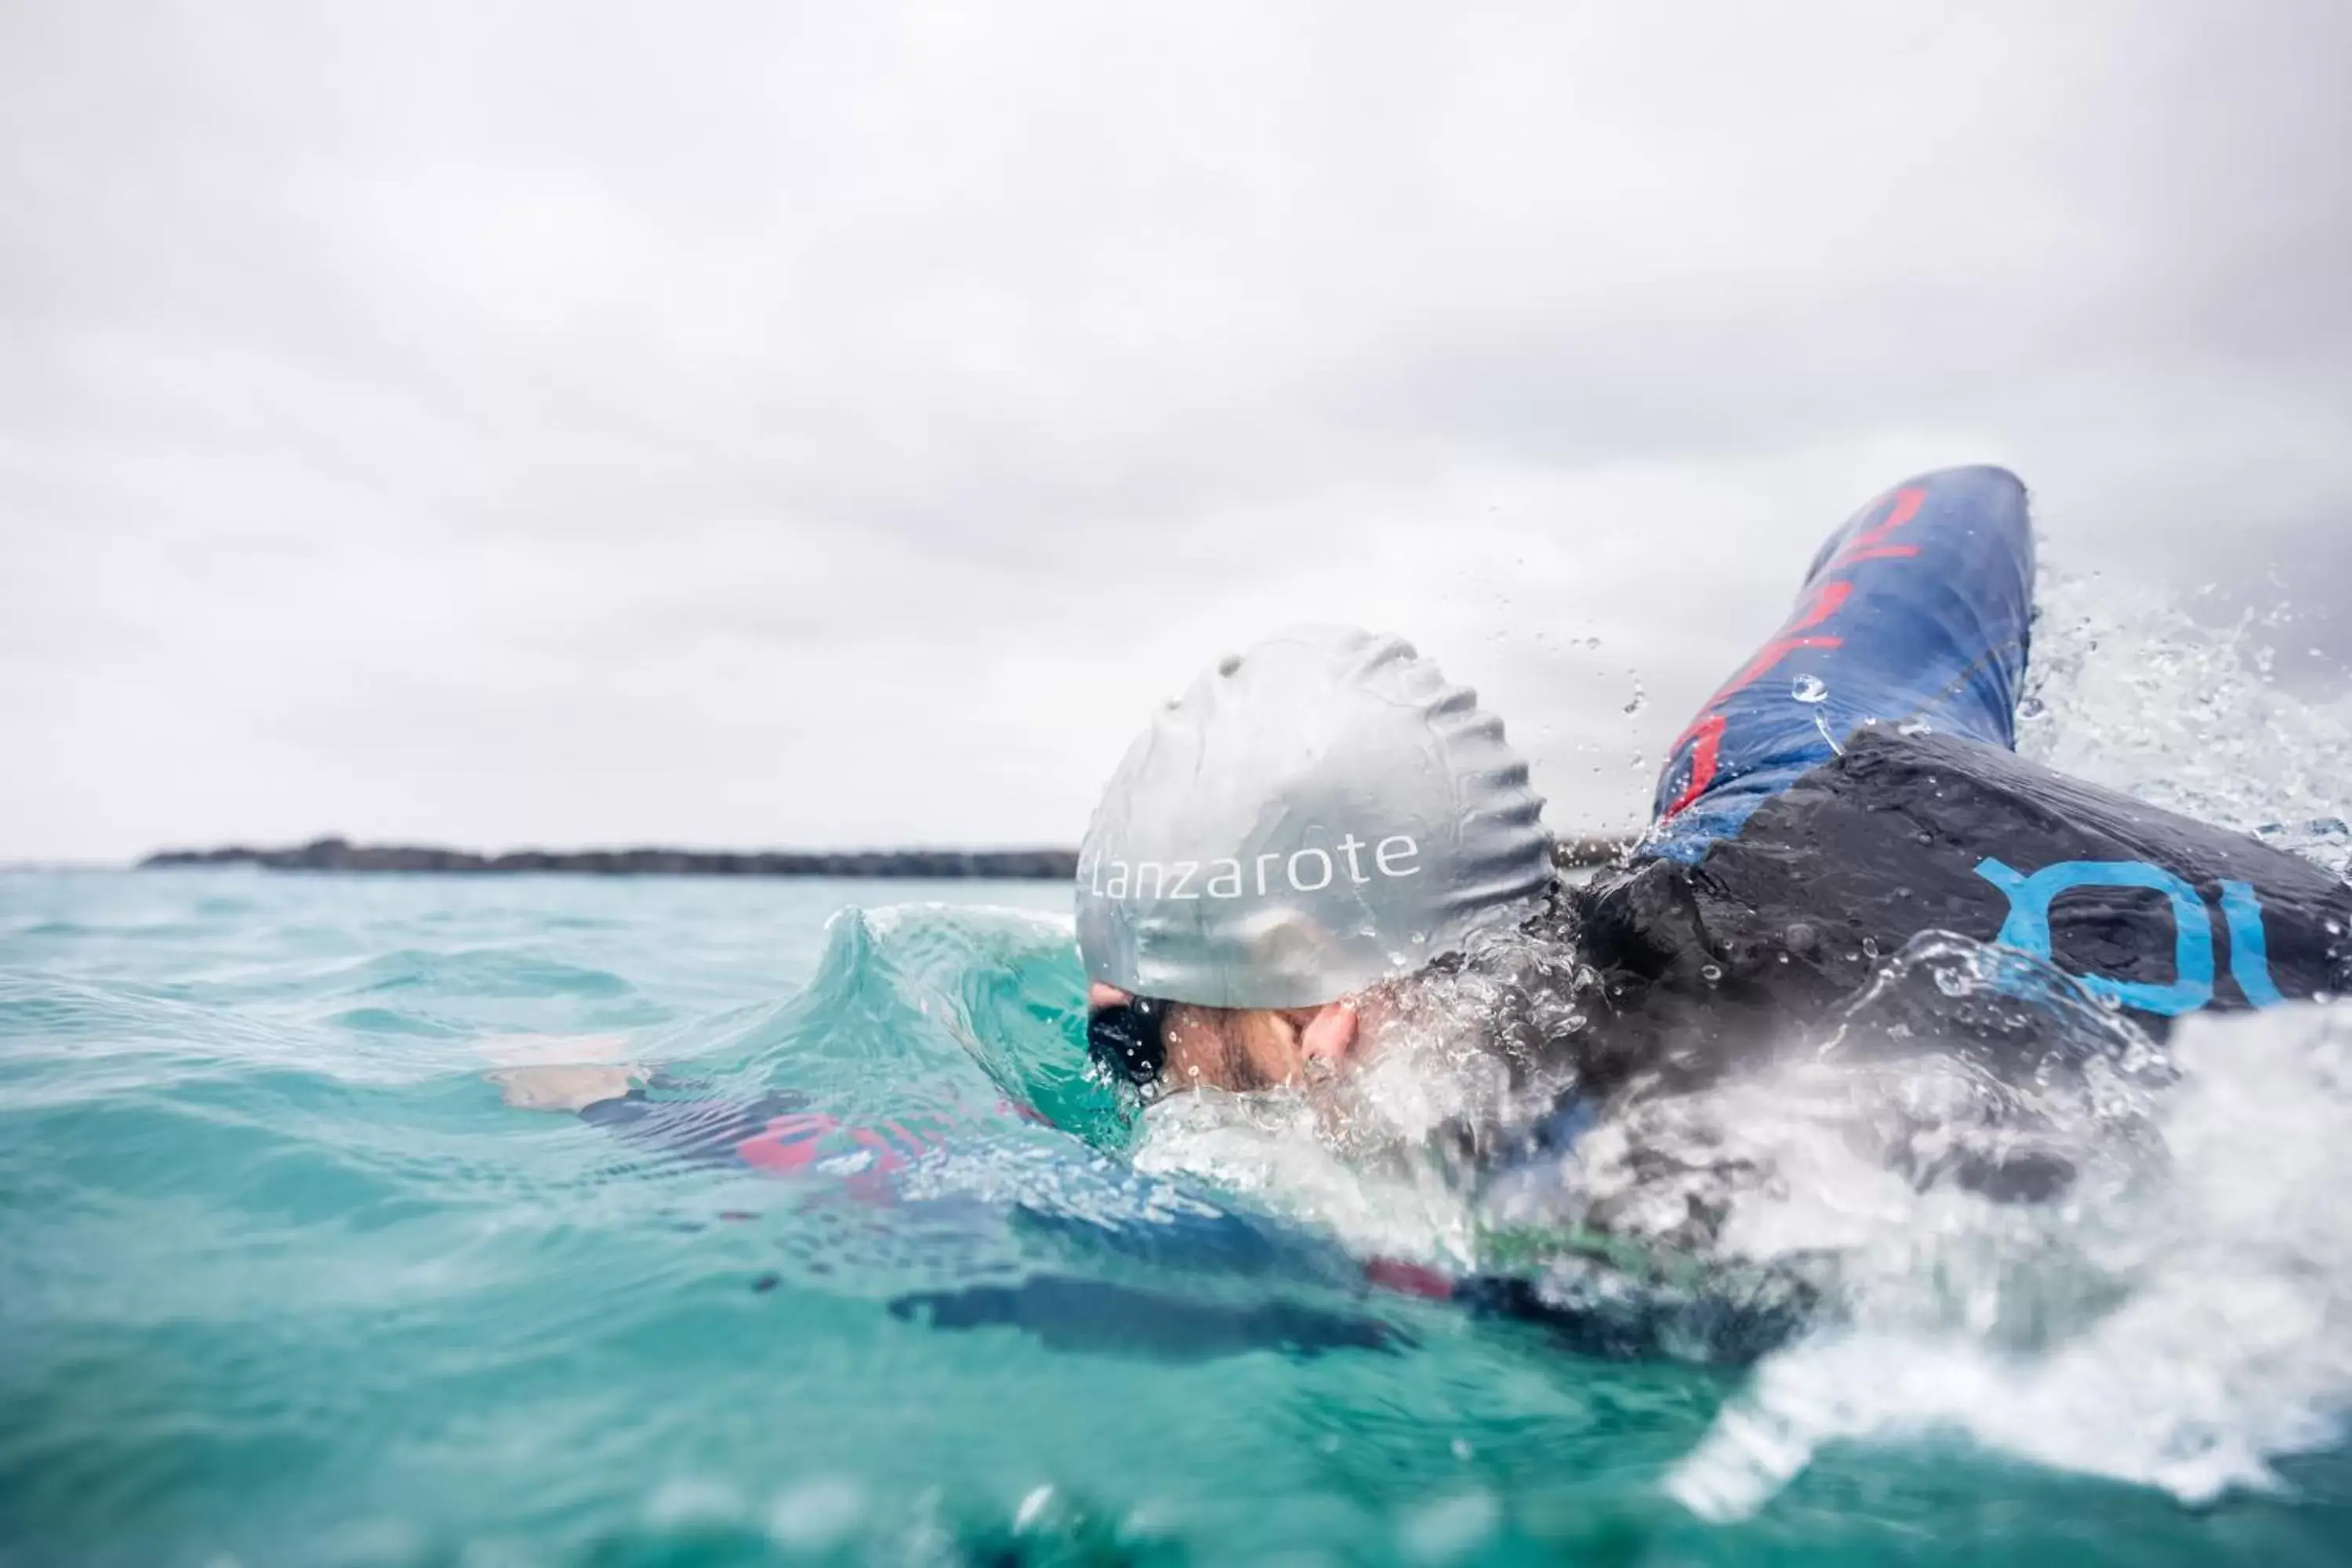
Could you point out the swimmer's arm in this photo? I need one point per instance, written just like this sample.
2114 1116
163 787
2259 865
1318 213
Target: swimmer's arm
613 1096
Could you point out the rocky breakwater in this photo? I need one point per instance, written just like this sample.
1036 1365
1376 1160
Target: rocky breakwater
341 854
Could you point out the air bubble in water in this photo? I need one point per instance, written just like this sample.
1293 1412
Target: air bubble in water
1809 688
1915 727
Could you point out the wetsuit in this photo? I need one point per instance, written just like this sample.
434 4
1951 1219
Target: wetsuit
1854 784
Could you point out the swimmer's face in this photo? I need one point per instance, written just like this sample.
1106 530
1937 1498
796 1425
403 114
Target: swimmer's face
1242 1050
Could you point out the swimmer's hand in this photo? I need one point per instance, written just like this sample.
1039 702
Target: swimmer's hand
549 1087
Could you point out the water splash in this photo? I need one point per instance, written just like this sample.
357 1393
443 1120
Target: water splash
2188 1330
2129 692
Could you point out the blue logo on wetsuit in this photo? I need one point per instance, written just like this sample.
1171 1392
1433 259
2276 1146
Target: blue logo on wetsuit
2027 929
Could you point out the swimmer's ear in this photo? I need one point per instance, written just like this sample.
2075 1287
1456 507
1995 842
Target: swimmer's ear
1330 1035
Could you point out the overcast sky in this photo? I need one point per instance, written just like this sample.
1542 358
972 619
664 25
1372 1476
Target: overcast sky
571 423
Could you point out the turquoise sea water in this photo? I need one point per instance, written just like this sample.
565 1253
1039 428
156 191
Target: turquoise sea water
283 1281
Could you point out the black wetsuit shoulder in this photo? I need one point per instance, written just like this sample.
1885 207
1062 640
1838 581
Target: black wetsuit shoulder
1760 939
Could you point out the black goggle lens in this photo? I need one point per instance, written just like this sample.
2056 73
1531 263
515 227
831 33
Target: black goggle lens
1127 1039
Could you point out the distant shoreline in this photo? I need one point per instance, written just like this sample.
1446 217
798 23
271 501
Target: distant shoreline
340 855
991 864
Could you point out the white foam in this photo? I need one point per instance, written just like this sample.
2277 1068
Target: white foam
1286 1150
2192 1327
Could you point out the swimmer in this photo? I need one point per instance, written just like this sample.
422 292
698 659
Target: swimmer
1323 827
1323 820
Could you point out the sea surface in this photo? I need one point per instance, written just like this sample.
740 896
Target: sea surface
284 1280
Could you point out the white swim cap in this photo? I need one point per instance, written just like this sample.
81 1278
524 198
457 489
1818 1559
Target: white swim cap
1314 815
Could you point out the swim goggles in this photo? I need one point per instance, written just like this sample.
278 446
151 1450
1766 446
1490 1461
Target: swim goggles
1129 1040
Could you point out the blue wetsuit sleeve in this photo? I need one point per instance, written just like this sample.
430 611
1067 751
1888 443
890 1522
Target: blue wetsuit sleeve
1916 611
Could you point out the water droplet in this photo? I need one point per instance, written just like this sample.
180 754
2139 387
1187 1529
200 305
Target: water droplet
1710 972
1809 688
1915 727
2032 707
1870 947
